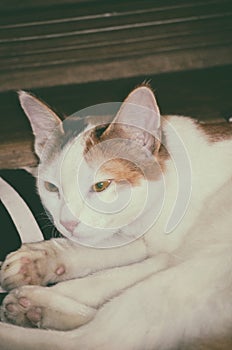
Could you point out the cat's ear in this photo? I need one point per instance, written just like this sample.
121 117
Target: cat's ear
139 119
43 120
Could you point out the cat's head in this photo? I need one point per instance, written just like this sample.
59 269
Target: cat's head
100 181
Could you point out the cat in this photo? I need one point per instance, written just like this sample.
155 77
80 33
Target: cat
154 275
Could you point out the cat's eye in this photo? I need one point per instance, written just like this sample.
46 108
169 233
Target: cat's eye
50 187
101 186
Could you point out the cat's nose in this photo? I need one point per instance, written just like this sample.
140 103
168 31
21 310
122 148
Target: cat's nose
69 225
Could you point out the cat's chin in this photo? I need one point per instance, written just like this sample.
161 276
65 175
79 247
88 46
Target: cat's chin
102 239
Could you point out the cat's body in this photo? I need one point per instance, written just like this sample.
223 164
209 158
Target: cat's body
161 291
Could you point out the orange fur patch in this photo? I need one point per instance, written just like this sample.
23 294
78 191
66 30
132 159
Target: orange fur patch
122 170
216 132
123 159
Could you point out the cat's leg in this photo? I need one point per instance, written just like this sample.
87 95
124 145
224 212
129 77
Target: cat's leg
189 303
96 289
36 306
70 304
61 259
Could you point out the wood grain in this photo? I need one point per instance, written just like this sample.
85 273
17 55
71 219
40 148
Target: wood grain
72 43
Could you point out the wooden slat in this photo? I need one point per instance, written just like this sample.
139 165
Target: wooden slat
22 4
127 68
83 42
95 40
134 47
17 153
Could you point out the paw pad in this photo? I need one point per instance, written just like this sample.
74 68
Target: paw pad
24 302
34 315
60 270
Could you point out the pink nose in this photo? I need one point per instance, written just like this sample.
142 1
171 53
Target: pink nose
69 225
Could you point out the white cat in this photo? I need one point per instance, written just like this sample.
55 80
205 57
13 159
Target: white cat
143 289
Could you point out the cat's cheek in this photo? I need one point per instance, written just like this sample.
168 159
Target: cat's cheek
52 208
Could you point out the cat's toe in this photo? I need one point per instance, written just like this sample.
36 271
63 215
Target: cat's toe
19 309
23 267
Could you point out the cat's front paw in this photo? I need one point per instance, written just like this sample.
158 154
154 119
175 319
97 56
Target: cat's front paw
35 306
32 264
18 309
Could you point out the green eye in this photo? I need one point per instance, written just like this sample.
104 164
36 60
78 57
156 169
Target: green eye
50 187
101 186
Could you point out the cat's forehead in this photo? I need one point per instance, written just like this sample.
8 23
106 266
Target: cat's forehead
75 133
73 167
78 157
79 134
75 126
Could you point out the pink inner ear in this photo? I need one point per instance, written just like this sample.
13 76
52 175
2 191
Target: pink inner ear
140 109
43 120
